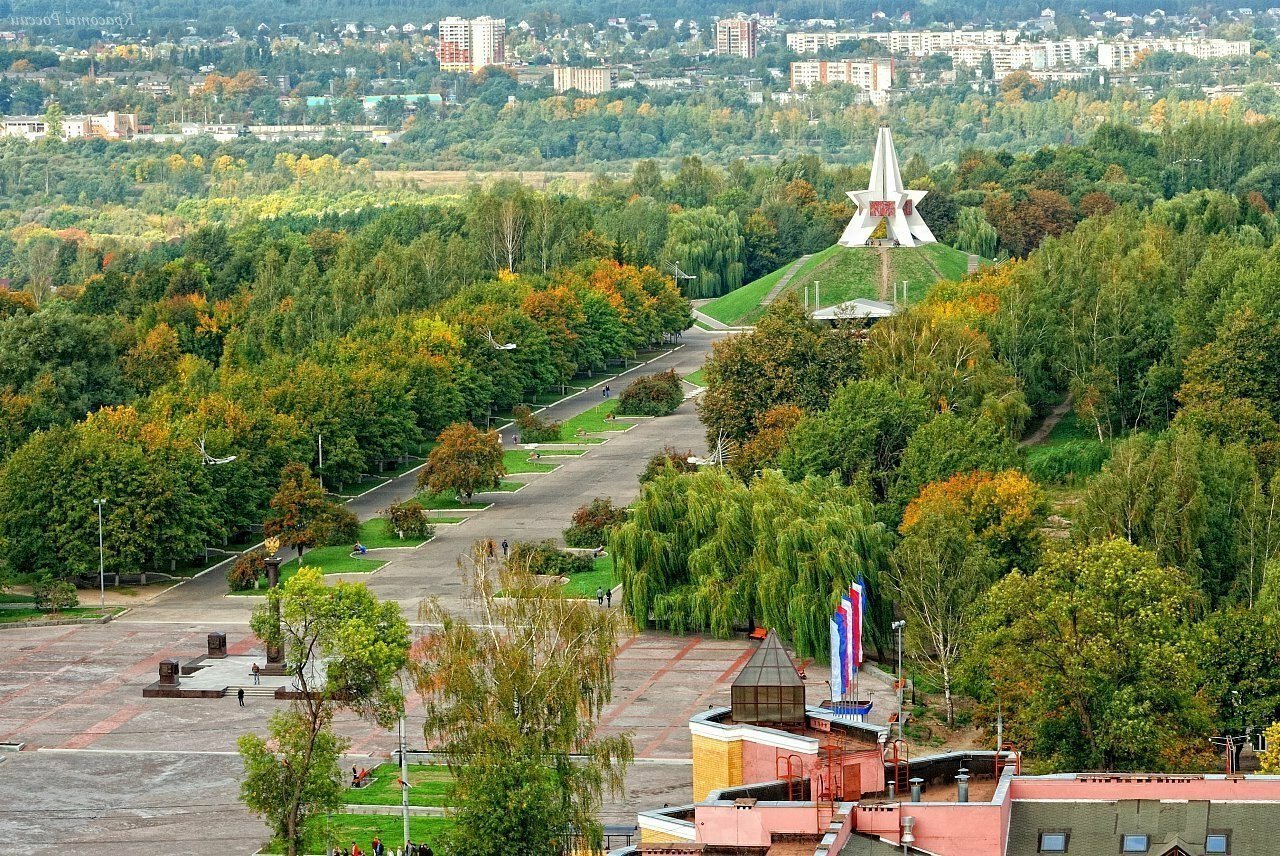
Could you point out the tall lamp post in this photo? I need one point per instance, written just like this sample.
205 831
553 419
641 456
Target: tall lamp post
275 651
102 565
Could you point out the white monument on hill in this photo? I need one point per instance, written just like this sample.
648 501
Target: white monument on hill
886 199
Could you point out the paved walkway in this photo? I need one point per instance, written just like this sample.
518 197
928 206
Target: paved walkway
540 510
785 280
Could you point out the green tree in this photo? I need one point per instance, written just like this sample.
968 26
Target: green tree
708 245
939 573
974 234
346 651
949 444
514 702
1088 655
706 552
53 117
298 508
464 461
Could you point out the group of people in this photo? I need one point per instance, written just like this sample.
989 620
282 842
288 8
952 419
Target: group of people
377 848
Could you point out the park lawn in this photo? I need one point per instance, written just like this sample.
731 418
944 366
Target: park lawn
8 616
361 828
804 274
16 598
698 378
551 453
953 263
373 534
852 272
517 461
728 308
429 786
600 576
910 264
446 502
330 560
592 422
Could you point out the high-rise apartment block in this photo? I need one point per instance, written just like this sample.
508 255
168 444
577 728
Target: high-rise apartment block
737 37
470 44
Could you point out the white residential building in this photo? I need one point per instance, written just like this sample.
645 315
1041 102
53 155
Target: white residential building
592 81
470 44
874 77
1123 53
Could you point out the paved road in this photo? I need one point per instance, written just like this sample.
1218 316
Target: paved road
540 510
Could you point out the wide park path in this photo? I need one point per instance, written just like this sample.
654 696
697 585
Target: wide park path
539 510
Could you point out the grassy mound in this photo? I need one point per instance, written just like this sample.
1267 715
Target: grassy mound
843 273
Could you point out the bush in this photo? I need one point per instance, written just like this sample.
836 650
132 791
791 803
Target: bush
338 526
247 569
591 523
1067 463
544 557
669 458
653 395
54 595
408 518
533 429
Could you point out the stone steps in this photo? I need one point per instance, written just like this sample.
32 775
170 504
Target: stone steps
785 280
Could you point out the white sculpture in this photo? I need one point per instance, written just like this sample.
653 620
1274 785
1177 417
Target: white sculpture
886 199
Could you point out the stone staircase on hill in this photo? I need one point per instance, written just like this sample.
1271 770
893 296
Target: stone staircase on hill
785 280
250 691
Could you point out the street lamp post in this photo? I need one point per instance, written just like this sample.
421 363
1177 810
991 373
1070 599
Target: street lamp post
898 625
102 567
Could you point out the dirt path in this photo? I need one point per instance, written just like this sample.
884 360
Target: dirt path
1046 426
886 272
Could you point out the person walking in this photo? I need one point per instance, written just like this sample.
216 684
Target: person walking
378 849
490 547
506 548
606 390
608 597
257 675
600 596
240 696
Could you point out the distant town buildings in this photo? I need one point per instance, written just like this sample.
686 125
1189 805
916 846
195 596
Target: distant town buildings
737 37
107 126
874 77
470 44
1124 53
591 81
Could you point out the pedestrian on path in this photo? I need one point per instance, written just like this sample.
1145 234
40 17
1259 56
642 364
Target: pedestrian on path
505 548
240 696
257 675
600 596
608 597
490 546
606 390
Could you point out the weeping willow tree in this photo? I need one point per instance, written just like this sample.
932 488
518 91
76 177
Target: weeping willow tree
708 245
706 552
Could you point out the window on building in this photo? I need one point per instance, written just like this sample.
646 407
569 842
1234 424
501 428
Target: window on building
1135 843
1053 842
1217 842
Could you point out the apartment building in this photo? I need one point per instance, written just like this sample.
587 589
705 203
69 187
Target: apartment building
874 77
737 37
470 44
916 43
1124 53
592 81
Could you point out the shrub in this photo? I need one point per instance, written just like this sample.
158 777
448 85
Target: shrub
54 595
337 526
246 569
1067 463
544 557
409 518
652 395
669 458
591 523
533 429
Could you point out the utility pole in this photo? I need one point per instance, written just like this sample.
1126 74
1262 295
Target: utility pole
102 573
817 299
